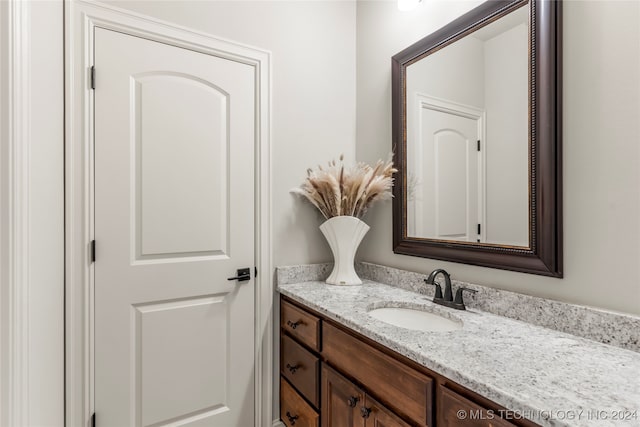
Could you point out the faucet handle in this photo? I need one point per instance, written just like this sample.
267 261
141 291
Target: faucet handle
438 294
458 299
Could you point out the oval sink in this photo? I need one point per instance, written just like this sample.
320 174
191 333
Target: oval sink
416 320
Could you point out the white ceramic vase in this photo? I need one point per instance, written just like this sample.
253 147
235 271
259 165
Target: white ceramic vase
344 234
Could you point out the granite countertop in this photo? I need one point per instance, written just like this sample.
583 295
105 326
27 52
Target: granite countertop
550 377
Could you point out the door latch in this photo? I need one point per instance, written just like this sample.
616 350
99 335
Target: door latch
243 275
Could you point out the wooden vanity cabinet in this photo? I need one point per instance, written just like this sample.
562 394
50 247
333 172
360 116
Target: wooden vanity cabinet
341 400
294 411
299 366
456 410
380 416
346 405
403 389
300 324
343 379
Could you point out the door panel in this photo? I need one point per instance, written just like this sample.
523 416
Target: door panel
174 217
172 108
451 184
181 333
448 156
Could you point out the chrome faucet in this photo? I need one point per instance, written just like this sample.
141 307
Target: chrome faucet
447 300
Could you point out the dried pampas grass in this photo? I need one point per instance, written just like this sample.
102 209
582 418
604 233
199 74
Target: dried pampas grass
336 190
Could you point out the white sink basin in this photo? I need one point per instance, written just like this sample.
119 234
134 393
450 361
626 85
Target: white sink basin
416 320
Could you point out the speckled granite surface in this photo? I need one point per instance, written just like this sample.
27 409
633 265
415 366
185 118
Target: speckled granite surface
303 273
544 375
620 330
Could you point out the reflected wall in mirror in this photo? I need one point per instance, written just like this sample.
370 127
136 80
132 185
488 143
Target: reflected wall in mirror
467 139
477 139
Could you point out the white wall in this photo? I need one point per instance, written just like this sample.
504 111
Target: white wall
42 281
46 352
4 210
506 63
454 74
601 150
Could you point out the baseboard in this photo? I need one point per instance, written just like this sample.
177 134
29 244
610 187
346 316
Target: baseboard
278 423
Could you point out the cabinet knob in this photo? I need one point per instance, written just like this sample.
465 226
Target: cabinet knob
365 412
293 368
292 418
352 401
294 325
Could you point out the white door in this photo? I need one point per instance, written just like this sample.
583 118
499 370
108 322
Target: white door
449 166
174 218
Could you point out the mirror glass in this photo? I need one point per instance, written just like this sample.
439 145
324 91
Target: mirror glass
467 137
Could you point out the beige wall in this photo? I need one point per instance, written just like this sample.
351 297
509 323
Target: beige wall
601 147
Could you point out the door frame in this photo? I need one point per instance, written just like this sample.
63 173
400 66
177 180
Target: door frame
424 101
15 220
81 17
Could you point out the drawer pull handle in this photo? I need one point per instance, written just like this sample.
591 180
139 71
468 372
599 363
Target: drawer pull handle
294 325
365 412
293 368
292 418
352 401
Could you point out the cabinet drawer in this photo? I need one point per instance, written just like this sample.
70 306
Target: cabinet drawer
397 386
301 368
294 411
302 325
456 411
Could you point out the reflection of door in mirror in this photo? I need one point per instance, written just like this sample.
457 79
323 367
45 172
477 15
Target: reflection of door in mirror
448 198
475 89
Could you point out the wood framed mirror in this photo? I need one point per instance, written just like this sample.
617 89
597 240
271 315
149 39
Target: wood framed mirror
477 140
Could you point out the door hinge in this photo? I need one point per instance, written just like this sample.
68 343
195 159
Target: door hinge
255 271
93 251
478 228
93 77
93 420
478 145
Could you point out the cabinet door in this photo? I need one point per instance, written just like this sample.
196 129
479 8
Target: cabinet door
341 401
377 415
457 411
401 388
